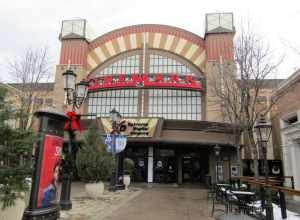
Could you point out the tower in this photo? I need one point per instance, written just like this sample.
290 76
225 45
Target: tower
219 33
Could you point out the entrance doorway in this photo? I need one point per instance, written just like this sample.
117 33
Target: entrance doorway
194 169
139 155
165 167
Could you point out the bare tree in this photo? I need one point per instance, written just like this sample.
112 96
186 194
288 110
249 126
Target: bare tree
28 72
239 88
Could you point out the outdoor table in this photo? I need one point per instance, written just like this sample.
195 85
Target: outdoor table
244 197
223 184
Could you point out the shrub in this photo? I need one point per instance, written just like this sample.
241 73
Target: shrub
93 162
128 166
15 154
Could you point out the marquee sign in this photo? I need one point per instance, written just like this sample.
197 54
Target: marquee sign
141 127
146 81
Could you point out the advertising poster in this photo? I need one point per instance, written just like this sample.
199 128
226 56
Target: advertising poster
50 170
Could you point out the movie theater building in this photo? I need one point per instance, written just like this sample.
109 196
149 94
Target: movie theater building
157 77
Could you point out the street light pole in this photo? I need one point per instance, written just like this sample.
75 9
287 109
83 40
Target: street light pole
116 117
76 94
217 150
263 133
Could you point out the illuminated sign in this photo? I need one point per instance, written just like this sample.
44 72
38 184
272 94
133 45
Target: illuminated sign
146 81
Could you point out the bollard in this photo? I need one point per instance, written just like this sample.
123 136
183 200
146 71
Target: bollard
43 201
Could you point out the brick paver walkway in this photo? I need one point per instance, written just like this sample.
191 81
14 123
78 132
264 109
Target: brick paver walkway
166 203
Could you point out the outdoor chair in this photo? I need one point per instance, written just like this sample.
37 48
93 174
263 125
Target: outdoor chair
219 198
255 209
211 191
231 202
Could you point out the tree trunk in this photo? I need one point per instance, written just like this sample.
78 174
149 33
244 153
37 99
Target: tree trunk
254 153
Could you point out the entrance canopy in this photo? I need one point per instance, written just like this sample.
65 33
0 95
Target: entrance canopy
165 131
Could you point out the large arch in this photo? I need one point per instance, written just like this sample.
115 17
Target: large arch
167 38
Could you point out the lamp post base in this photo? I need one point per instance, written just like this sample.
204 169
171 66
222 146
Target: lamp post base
269 206
51 213
65 205
269 212
65 201
117 187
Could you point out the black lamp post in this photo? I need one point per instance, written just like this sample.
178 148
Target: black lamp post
263 131
217 150
75 95
116 118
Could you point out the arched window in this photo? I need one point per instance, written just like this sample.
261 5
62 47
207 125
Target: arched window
163 64
126 65
161 102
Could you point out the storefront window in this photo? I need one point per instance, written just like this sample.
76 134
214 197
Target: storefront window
175 104
102 102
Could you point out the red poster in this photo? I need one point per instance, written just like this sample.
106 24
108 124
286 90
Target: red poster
50 170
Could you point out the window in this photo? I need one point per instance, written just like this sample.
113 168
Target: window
124 101
126 65
175 104
167 103
161 64
49 101
38 101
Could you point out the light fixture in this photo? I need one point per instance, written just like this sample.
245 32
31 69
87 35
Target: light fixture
76 92
115 116
81 92
217 150
69 80
263 130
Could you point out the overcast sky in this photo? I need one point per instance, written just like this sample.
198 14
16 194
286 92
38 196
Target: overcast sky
36 23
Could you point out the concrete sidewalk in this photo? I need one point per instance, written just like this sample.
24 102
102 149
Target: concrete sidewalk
293 205
166 203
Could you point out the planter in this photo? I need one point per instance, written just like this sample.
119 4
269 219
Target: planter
13 212
126 181
94 190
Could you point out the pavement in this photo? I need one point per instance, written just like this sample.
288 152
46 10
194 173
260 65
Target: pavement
293 205
85 208
166 202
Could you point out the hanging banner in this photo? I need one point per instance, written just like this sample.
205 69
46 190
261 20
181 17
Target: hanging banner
121 142
50 171
108 142
139 127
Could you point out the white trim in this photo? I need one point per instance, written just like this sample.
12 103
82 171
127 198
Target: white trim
150 165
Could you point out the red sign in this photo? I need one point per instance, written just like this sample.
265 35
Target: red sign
50 170
146 81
